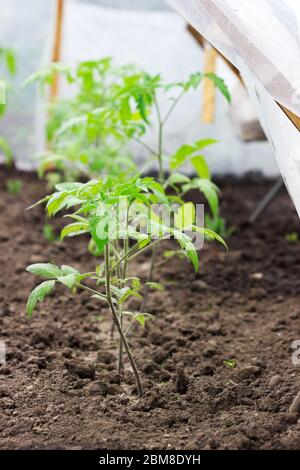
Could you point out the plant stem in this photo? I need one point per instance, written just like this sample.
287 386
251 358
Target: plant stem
150 278
118 325
146 146
147 247
175 103
120 356
160 142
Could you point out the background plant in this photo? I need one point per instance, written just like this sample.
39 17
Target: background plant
7 64
116 241
88 132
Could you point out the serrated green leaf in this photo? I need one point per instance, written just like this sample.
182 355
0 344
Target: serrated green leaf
185 216
155 286
46 270
68 280
203 143
65 269
100 241
141 319
210 190
220 84
181 155
177 178
201 166
71 230
68 187
38 294
56 203
187 245
186 151
129 293
211 234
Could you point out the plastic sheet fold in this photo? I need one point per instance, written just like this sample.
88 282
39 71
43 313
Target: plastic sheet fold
262 39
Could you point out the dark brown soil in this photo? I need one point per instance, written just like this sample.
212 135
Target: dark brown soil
59 388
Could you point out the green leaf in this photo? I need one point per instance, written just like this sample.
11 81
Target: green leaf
46 270
99 224
41 201
192 254
68 280
187 245
231 363
186 151
68 187
211 234
220 84
56 203
210 191
181 155
77 228
38 294
155 286
200 165
177 178
10 61
128 293
6 150
202 143
159 192
185 216
141 318
65 269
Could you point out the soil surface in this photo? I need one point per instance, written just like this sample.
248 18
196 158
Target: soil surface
59 387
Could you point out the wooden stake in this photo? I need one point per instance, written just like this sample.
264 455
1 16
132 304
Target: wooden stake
56 52
209 92
292 117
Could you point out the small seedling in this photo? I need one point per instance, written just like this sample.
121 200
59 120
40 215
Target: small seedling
292 237
14 186
118 215
231 363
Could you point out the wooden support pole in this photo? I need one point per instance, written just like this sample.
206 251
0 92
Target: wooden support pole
56 52
292 117
209 90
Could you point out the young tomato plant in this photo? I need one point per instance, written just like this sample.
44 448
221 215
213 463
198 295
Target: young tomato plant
169 165
88 133
119 216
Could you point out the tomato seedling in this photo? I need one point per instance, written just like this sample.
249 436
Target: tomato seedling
119 216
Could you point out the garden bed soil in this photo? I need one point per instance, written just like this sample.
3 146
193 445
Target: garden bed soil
59 387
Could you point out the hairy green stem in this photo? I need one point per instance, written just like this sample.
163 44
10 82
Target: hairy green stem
160 142
150 278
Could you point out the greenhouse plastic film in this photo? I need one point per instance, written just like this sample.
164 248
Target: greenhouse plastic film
91 31
262 39
24 106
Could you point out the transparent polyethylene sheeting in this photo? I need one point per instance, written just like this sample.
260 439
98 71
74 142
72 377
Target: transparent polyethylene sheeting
159 42
262 39
25 27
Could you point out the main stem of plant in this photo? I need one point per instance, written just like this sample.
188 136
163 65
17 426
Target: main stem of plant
160 142
118 325
150 278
